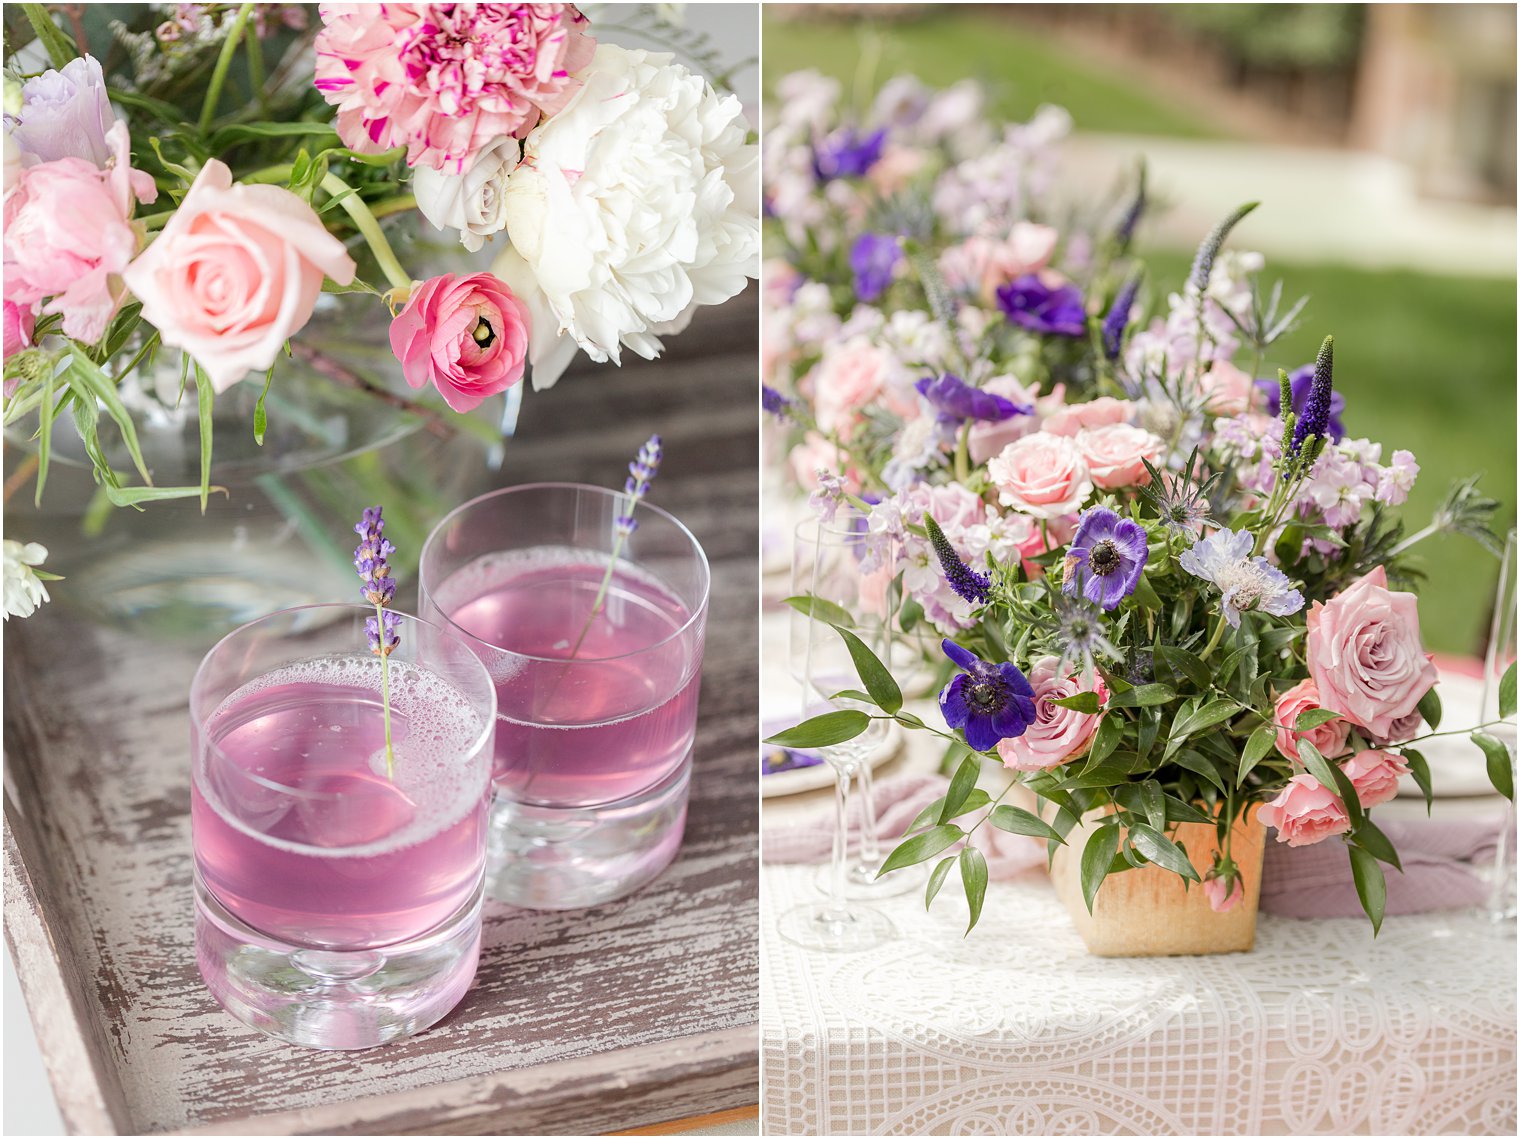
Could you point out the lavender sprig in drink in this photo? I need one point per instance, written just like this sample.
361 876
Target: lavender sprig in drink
372 560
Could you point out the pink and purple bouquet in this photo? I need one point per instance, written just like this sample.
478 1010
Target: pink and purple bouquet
1167 588
239 163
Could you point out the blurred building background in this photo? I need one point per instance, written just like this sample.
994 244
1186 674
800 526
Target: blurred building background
1380 139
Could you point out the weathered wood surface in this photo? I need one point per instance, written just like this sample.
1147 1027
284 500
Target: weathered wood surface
624 1015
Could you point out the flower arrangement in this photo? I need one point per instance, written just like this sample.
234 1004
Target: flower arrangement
1170 588
241 162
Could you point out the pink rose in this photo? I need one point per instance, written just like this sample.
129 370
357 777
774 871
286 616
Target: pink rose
1402 730
1228 389
1365 654
1375 775
1305 813
1057 734
1116 454
467 336
1101 412
987 437
69 236
1223 895
848 378
235 274
1043 475
1329 738
1031 539
980 264
19 321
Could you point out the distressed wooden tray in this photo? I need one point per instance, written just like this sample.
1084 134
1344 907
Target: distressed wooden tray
613 1018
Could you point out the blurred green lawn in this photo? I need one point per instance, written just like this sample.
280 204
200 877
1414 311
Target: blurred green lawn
1426 362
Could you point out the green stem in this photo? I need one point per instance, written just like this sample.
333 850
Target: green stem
369 228
962 454
223 65
385 694
54 40
1218 636
256 72
601 594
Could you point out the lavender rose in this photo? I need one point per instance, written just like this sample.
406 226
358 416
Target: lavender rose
65 114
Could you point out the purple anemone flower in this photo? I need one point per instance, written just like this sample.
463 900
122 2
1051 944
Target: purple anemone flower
847 153
874 258
1030 303
1105 558
956 400
990 702
1302 382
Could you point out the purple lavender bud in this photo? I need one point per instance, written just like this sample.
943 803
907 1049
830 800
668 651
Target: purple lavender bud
1117 319
1300 384
641 472
625 525
372 559
1316 417
969 585
384 636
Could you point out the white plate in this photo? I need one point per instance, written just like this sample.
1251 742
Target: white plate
821 775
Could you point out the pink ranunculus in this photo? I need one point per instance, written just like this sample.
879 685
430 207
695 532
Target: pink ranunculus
1375 775
1116 454
981 263
1329 738
235 273
988 437
850 376
69 236
1042 475
1305 812
19 321
467 336
1223 897
1057 734
1365 654
445 80
1101 412
1228 389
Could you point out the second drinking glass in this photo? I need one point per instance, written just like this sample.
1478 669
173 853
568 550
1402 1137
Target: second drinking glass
593 636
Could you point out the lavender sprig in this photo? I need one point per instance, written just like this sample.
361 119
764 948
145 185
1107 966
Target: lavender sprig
372 561
1117 319
641 472
972 587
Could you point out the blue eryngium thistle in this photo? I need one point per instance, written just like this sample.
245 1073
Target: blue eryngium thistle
1315 420
372 560
969 585
1117 319
1203 260
641 472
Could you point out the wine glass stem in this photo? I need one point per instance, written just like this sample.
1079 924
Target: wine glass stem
870 848
842 779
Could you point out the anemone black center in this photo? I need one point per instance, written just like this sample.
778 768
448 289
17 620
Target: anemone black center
1104 558
985 696
484 334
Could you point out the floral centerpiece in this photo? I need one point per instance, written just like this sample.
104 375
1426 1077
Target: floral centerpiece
238 163
1172 590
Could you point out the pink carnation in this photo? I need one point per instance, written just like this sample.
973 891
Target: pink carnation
445 80
1057 734
467 336
1375 775
1305 812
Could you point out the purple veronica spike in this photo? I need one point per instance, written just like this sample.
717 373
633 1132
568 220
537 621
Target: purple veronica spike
1301 381
372 558
641 472
773 402
956 400
1105 559
1052 310
1318 406
1117 319
847 153
873 259
968 584
383 645
991 702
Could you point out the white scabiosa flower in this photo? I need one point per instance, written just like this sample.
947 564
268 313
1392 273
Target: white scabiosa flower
635 204
24 590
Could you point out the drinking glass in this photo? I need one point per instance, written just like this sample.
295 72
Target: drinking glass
337 898
826 564
594 640
1498 657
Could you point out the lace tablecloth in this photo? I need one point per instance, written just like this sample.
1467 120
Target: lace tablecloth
1016 1030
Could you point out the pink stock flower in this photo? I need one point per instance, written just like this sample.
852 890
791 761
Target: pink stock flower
69 236
1375 775
1365 654
1305 812
1101 412
1329 738
445 80
1042 475
1057 734
19 321
467 336
236 273
1223 895
1116 454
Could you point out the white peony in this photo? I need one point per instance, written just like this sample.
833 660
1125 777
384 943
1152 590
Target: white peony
634 205
474 202
24 590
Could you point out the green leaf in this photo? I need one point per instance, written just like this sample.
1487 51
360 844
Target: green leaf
91 381
937 879
260 420
1153 800
1178 811
1161 850
852 694
1214 712
920 847
974 879
205 396
137 495
912 614
1084 702
1507 693
873 674
1097 857
1317 766
961 785
1419 770
1501 771
1143 696
1016 820
1371 888
1376 843
823 731
45 412
1430 709
1261 742
1186 665
60 48
1105 740
1199 764
821 610
1313 718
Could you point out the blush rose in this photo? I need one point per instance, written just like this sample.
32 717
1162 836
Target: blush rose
1042 475
1116 454
1057 734
1329 738
1305 812
1375 775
